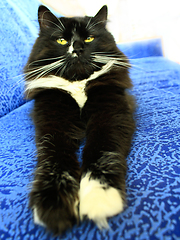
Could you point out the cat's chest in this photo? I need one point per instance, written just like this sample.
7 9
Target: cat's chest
76 89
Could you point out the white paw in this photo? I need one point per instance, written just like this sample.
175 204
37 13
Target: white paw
37 219
98 202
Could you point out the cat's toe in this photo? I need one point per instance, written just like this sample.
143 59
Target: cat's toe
37 219
99 201
55 208
56 219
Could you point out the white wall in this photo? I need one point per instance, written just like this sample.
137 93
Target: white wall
132 20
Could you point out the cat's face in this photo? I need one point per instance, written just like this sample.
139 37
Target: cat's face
72 48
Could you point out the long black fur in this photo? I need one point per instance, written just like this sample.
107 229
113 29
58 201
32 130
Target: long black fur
106 119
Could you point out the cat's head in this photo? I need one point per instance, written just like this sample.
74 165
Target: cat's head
72 48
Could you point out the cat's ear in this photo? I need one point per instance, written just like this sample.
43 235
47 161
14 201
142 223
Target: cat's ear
101 16
45 17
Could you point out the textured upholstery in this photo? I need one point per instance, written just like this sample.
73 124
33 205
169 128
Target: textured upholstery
153 177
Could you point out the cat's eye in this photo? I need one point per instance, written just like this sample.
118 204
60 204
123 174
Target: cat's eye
61 41
89 39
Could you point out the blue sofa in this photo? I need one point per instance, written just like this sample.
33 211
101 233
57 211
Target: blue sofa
153 177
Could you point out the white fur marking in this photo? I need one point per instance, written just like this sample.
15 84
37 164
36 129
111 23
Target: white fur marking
71 49
98 203
36 218
76 88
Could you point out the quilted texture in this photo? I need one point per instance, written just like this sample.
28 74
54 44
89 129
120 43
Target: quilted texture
153 177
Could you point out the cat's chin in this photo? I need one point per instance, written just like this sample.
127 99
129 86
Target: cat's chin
78 70
76 77
78 59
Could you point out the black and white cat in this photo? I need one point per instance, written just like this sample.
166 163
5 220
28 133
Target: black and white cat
78 78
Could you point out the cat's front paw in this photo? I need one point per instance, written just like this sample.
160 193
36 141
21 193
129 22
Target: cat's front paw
55 205
99 201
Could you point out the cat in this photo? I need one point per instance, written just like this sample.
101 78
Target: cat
78 79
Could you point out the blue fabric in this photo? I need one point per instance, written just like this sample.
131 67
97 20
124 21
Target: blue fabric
18 30
141 49
153 177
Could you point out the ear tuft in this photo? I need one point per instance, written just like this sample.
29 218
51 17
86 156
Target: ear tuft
45 17
102 14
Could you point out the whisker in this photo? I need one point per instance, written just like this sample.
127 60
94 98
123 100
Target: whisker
16 84
63 69
95 65
54 32
42 71
109 57
54 67
106 59
119 57
103 57
46 66
88 23
93 25
61 29
107 54
59 20
46 59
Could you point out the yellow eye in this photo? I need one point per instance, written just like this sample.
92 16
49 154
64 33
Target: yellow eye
89 39
61 41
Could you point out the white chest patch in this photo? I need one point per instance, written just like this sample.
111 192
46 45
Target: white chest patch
76 89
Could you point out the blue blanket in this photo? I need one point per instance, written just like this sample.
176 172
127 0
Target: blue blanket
153 177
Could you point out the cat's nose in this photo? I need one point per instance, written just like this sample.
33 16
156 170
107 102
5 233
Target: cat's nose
78 47
78 51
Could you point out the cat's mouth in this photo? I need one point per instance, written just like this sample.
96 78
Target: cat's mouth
74 55
77 67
